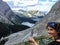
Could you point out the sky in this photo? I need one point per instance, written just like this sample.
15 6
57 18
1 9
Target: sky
41 5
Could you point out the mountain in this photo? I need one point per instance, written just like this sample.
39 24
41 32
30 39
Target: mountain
38 29
6 29
22 10
9 22
37 15
29 16
3 9
6 14
53 15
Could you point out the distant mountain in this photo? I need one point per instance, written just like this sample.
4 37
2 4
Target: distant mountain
38 13
33 15
25 19
22 10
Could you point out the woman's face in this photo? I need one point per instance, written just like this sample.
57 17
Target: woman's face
52 32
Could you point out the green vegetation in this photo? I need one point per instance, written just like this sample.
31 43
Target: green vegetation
36 39
41 39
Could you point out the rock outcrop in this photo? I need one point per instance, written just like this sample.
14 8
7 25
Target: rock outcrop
5 12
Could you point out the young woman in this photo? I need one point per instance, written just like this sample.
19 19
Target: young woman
53 29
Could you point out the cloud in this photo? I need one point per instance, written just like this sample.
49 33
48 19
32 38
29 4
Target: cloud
38 7
53 0
7 0
32 4
24 2
47 2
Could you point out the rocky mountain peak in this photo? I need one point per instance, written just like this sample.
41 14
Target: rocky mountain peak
6 14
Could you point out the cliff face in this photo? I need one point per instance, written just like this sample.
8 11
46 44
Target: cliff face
5 11
6 14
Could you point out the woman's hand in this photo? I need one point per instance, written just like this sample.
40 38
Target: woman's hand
31 40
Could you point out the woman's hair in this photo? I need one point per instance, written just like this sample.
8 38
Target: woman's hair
54 25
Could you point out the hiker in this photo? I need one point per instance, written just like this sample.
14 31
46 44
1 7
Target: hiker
53 29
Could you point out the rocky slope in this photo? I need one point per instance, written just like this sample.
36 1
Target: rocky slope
53 15
5 12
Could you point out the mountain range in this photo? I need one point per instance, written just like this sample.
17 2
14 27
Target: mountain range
40 27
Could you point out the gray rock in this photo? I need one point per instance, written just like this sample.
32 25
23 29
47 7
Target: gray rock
6 13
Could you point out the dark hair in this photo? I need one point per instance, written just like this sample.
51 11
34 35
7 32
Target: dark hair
54 25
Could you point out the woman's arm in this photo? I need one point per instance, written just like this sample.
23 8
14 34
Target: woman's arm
33 41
